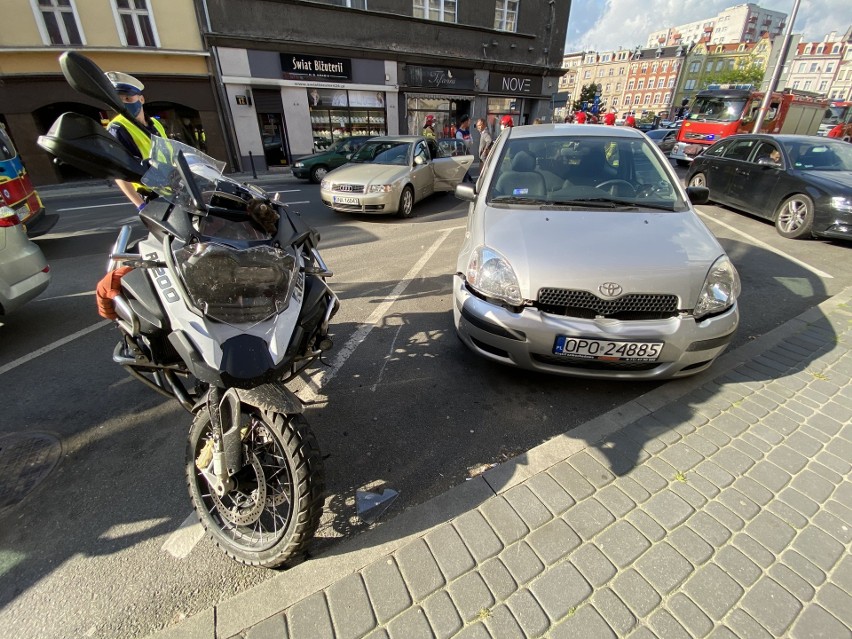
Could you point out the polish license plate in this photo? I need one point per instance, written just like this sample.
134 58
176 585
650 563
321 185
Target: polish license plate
342 199
606 350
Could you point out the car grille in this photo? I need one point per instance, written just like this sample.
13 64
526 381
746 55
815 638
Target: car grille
586 305
347 188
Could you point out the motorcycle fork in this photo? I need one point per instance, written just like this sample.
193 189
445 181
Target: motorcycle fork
224 410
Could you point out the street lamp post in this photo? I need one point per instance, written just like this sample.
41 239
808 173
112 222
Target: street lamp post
776 74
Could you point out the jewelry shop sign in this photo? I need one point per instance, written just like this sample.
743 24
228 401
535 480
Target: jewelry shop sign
311 67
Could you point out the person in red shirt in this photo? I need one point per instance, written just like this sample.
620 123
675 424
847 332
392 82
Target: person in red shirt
580 117
609 118
836 132
630 120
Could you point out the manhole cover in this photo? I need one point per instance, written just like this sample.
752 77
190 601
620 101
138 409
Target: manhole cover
25 459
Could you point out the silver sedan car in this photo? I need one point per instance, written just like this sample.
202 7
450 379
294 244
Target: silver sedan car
24 272
390 174
584 256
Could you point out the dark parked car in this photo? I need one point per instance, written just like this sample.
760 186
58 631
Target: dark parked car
314 167
663 138
802 183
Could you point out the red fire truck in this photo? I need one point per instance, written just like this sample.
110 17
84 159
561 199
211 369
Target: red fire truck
722 110
838 113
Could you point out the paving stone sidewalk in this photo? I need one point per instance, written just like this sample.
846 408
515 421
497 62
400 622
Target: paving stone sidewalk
724 512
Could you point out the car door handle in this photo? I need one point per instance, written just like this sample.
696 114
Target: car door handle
742 171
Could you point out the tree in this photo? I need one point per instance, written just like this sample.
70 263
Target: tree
747 71
587 94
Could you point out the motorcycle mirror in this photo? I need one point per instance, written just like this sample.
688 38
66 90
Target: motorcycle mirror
87 78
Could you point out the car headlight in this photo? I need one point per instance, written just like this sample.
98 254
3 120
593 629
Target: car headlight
325 185
721 289
380 188
491 275
299 165
842 204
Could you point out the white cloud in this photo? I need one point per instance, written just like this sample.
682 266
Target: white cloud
627 23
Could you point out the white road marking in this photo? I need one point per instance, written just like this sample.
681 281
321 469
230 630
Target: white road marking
388 358
94 206
46 349
315 382
766 246
181 542
62 297
302 202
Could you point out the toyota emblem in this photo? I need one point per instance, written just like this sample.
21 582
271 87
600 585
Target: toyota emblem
610 289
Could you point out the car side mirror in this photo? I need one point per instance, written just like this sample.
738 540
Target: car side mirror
698 194
419 160
767 162
466 192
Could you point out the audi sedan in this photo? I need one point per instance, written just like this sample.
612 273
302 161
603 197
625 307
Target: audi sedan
801 183
583 256
391 174
24 272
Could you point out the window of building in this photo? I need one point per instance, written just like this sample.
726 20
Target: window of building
627 99
351 4
438 10
630 84
829 67
801 67
615 102
814 67
690 84
656 98
59 24
720 65
506 15
823 86
796 84
636 98
807 86
647 99
137 25
667 98
695 67
671 82
709 66
644 67
587 75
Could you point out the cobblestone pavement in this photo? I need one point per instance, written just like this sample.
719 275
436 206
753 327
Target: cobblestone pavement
724 511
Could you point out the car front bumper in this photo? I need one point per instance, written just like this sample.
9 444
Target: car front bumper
375 203
526 339
303 172
686 151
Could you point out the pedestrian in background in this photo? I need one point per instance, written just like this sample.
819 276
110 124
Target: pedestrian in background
580 117
429 126
630 120
485 139
463 132
609 118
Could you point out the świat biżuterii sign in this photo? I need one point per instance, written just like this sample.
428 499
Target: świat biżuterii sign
303 67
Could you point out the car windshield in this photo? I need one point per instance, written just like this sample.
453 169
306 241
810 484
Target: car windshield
383 152
717 109
824 155
583 172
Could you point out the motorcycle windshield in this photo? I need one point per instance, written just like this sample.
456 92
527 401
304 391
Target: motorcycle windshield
164 178
237 286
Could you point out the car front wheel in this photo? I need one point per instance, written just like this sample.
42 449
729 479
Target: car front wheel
795 217
406 202
318 173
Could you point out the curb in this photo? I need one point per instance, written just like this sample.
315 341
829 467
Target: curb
253 606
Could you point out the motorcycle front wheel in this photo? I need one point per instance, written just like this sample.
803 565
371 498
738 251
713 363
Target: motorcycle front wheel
274 510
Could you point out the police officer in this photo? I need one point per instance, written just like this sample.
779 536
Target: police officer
134 135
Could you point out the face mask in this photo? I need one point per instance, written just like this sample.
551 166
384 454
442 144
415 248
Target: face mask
134 107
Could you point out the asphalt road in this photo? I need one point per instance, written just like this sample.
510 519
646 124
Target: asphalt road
100 549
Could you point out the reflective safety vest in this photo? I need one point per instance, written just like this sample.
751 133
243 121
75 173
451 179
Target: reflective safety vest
141 137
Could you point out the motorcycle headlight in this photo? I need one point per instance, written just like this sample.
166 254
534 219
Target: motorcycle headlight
491 275
380 188
721 289
237 286
842 204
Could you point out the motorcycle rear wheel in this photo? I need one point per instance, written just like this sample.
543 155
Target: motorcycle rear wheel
261 525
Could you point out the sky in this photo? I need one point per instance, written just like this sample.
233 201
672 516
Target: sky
601 25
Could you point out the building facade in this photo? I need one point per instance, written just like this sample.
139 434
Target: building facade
297 75
652 78
741 23
157 41
816 65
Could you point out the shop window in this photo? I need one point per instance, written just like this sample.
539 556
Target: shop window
59 24
137 23
446 110
337 113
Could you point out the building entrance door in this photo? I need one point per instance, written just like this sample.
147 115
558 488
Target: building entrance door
274 137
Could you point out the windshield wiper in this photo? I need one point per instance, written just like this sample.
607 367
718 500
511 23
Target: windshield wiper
597 202
512 199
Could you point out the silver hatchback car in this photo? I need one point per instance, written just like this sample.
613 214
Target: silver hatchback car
583 256
24 272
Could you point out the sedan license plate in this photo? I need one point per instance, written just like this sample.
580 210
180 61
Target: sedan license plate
342 199
605 350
